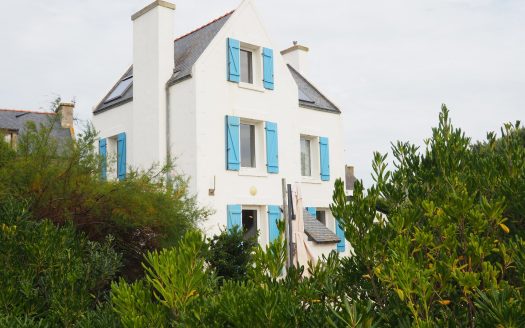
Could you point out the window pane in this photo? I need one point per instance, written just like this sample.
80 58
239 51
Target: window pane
306 169
247 145
320 215
120 89
246 67
249 223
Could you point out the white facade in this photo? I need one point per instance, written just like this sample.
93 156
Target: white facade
197 107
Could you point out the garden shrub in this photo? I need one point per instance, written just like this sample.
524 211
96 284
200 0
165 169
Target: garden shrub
230 255
60 180
50 276
434 240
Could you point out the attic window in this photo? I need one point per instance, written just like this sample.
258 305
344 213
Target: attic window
120 89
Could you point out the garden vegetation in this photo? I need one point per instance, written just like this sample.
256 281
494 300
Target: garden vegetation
437 241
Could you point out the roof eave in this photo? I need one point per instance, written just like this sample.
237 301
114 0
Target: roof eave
119 103
321 109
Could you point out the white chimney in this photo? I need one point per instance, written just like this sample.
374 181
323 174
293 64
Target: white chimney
296 56
65 110
153 63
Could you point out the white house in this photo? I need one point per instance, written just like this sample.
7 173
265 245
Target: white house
237 115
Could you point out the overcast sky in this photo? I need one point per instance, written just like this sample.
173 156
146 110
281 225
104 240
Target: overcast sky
389 65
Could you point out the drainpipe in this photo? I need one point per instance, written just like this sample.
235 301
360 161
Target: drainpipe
168 135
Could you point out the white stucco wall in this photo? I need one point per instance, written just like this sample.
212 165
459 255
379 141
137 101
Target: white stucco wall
114 121
183 131
216 98
198 107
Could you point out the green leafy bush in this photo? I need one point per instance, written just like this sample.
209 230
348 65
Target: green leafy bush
60 180
230 255
432 238
50 276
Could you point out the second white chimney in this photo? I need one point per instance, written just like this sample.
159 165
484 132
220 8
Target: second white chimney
296 56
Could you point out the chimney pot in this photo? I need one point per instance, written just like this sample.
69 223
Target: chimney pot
65 110
296 56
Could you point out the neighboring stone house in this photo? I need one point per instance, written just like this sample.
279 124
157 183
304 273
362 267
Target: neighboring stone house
13 122
236 115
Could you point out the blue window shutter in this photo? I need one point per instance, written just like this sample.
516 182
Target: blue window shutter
324 154
272 148
234 62
234 216
341 234
268 68
102 150
274 215
121 156
233 161
312 211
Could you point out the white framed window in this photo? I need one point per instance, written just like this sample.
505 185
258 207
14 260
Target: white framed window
306 158
10 137
309 157
252 147
247 140
250 222
251 66
246 66
254 220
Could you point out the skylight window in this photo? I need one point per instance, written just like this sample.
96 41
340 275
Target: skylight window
120 89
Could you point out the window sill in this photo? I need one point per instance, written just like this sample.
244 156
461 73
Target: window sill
252 173
311 180
250 86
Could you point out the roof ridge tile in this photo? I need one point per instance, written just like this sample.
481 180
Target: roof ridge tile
25 111
203 26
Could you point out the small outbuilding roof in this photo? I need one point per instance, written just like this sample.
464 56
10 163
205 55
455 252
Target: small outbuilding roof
15 120
317 230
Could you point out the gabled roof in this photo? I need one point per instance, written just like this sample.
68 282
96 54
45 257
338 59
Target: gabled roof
317 230
15 120
309 96
189 47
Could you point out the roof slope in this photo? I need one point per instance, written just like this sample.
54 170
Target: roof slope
187 49
309 96
16 120
318 231
126 96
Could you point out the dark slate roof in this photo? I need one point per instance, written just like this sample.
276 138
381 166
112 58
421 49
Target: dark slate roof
16 120
126 97
317 230
187 49
309 96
